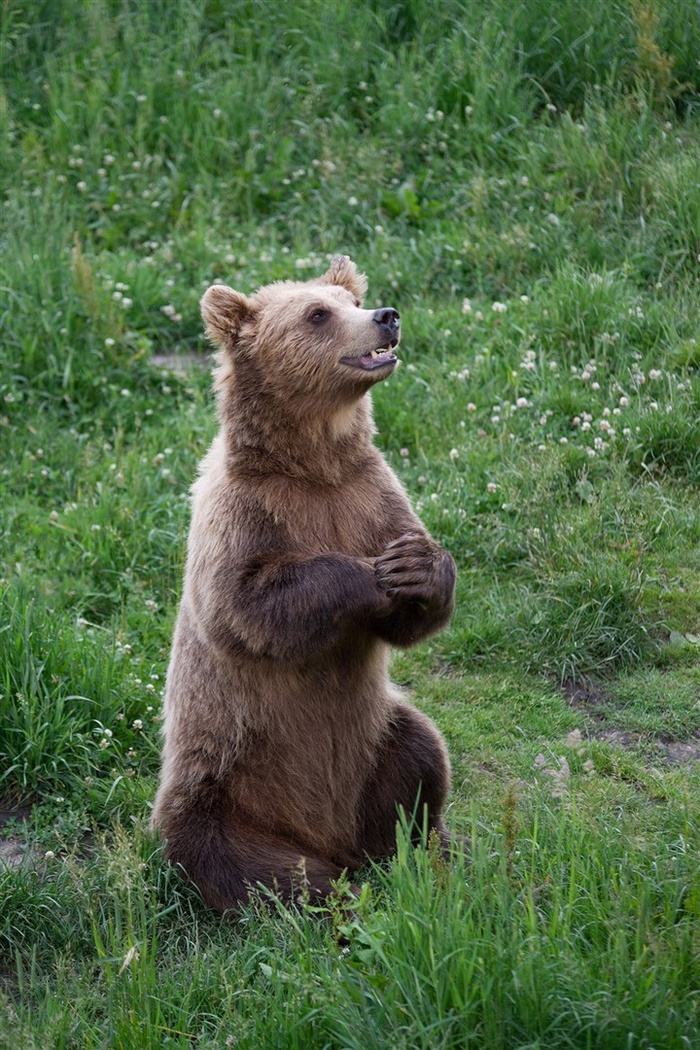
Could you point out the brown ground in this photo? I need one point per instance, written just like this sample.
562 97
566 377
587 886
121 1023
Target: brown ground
590 698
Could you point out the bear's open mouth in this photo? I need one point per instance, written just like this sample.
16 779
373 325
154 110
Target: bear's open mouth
373 358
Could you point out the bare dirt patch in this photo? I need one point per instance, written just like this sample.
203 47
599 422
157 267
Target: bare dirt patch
13 848
586 696
181 362
681 752
591 699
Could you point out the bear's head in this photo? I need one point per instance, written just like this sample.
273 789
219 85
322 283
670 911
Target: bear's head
309 345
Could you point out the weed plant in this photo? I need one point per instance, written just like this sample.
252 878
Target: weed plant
522 181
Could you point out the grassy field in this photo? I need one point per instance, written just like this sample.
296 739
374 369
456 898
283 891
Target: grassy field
521 180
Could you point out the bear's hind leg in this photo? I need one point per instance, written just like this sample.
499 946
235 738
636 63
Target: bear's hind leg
412 773
228 863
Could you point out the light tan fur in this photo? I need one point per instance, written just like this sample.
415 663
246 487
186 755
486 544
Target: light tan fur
305 563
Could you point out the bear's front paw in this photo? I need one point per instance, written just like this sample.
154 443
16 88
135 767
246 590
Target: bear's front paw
415 569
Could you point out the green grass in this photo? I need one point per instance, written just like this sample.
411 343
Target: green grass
521 181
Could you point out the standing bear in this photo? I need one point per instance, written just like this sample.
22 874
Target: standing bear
288 752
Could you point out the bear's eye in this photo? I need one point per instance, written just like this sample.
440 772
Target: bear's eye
318 316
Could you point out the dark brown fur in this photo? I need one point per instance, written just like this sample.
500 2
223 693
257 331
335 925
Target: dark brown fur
288 752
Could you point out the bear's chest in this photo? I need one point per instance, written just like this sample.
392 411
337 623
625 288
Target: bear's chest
357 519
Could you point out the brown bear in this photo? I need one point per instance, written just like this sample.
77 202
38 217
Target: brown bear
288 752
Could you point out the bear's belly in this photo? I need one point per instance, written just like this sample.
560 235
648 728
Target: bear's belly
294 745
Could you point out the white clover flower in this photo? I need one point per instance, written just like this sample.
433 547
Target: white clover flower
454 453
499 308
471 407
137 724
522 402
654 373
492 487
466 306
82 186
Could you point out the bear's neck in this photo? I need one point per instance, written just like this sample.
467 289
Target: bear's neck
323 448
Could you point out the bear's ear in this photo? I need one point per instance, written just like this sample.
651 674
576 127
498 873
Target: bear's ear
223 312
344 273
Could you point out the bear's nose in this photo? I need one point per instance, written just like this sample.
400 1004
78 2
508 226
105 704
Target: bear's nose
388 318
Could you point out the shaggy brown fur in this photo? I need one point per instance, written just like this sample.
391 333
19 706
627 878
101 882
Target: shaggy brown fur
287 748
